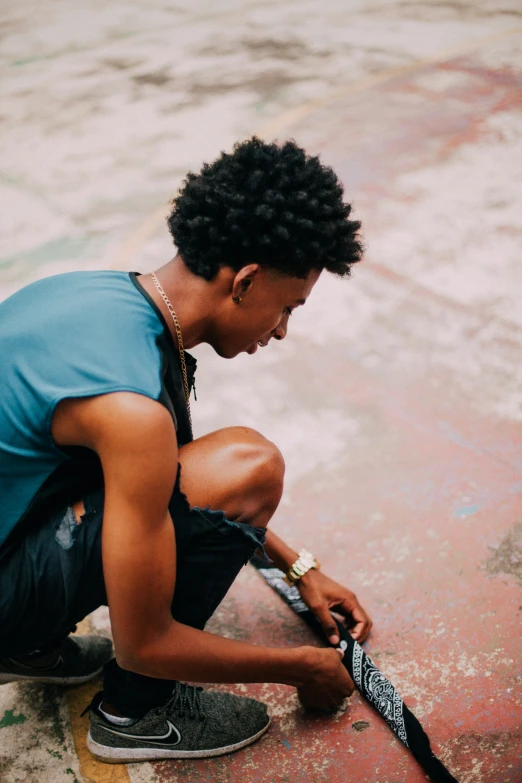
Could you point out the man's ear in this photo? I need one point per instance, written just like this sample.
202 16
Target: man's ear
244 279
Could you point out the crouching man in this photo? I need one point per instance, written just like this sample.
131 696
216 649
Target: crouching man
105 498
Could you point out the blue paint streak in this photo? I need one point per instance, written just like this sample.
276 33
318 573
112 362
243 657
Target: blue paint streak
466 511
456 437
286 743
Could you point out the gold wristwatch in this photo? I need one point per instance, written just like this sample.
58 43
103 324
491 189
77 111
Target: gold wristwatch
302 565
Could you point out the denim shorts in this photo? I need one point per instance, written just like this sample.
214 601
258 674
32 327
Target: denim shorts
53 577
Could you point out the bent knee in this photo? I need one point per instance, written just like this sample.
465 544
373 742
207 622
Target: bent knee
261 458
250 447
242 435
244 473
260 468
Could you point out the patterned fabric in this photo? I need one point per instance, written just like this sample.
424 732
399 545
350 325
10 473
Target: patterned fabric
378 691
371 683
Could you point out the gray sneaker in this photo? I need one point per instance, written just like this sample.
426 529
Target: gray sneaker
77 660
194 724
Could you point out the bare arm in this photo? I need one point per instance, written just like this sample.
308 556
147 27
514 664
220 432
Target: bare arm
136 441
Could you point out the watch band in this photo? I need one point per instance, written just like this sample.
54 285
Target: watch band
302 565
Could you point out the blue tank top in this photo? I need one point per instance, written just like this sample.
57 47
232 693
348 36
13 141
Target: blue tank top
77 334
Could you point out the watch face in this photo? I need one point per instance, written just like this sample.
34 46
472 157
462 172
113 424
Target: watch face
300 567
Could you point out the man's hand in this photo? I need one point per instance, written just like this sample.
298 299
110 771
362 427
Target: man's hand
321 594
328 682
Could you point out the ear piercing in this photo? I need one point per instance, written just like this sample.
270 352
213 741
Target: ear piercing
237 299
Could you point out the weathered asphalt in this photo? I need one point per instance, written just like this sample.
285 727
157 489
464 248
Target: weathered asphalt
396 396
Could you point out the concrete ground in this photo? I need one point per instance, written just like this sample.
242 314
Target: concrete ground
396 396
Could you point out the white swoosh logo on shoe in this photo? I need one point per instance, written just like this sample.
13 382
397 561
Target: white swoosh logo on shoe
156 739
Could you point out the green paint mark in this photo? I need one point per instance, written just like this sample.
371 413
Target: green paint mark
71 50
69 771
54 753
27 60
10 719
35 740
60 249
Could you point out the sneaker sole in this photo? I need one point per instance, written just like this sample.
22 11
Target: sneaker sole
128 755
6 677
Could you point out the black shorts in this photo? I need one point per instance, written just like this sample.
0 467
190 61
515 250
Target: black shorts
53 577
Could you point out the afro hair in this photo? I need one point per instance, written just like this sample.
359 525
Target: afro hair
267 204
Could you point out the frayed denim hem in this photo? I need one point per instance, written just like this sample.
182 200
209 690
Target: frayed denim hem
256 534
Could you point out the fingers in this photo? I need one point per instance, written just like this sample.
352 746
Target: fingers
322 612
315 700
322 703
329 684
362 623
351 686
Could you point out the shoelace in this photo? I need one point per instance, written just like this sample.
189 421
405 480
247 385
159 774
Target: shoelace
187 698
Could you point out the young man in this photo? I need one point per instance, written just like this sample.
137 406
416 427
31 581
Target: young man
105 498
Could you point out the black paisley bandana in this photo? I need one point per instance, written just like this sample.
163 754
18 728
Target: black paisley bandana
370 682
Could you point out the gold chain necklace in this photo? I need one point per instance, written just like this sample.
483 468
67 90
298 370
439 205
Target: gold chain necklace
180 341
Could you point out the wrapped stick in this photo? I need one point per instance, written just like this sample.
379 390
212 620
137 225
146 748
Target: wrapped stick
375 688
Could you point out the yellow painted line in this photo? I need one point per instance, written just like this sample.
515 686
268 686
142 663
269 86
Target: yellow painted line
91 770
304 110
152 222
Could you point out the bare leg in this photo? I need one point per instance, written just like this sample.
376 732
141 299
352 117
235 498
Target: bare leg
234 469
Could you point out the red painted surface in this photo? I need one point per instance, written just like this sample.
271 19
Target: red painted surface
419 511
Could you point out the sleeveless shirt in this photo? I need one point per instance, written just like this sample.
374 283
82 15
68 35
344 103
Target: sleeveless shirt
77 334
